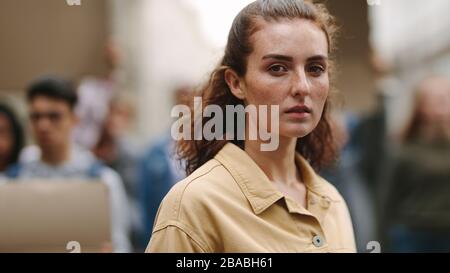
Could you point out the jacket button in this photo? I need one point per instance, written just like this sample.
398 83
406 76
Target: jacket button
318 241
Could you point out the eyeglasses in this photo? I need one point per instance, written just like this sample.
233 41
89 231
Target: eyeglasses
51 116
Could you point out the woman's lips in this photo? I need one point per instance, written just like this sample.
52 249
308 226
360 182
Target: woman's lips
299 111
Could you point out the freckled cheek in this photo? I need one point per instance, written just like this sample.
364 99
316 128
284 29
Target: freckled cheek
262 91
320 94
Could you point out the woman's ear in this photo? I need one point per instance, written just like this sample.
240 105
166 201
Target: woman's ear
234 83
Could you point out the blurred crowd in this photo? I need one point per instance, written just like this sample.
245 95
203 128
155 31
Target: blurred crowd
397 186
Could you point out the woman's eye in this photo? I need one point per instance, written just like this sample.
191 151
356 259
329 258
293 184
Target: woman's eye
316 70
278 69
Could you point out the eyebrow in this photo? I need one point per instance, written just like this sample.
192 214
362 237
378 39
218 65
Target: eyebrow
279 57
318 58
291 59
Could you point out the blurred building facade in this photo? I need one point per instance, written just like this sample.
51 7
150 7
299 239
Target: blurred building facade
164 49
50 37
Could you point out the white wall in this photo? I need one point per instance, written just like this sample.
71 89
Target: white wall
165 48
414 35
410 30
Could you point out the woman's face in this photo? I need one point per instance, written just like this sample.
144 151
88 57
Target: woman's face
289 68
6 140
434 101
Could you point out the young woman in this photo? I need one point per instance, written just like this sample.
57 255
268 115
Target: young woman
239 198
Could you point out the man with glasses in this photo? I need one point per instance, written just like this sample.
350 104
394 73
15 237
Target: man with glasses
51 103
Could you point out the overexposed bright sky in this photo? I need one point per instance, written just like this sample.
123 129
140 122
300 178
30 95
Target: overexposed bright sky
216 17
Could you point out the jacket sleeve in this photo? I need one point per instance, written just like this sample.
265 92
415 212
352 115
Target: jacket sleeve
173 239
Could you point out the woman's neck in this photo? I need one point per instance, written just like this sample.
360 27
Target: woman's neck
278 165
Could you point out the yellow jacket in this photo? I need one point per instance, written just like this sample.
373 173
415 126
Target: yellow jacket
229 206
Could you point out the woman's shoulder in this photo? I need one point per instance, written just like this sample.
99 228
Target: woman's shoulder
194 193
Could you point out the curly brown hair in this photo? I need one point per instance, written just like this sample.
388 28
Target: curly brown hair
318 147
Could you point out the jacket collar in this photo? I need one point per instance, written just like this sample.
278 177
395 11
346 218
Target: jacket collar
256 186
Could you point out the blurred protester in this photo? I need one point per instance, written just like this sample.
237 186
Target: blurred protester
416 189
11 139
118 150
159 171
51 107
347 180
95 95
370 136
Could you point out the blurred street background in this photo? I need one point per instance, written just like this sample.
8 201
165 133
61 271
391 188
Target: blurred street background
131 61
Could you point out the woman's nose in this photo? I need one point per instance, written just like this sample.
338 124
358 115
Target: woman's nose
300 84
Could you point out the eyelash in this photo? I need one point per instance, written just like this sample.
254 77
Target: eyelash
278 66
321 69
313 67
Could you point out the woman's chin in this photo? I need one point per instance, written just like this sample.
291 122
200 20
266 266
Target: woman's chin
295 133
296 129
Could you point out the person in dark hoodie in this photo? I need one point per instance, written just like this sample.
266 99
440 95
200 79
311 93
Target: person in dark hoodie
11 139
416 186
